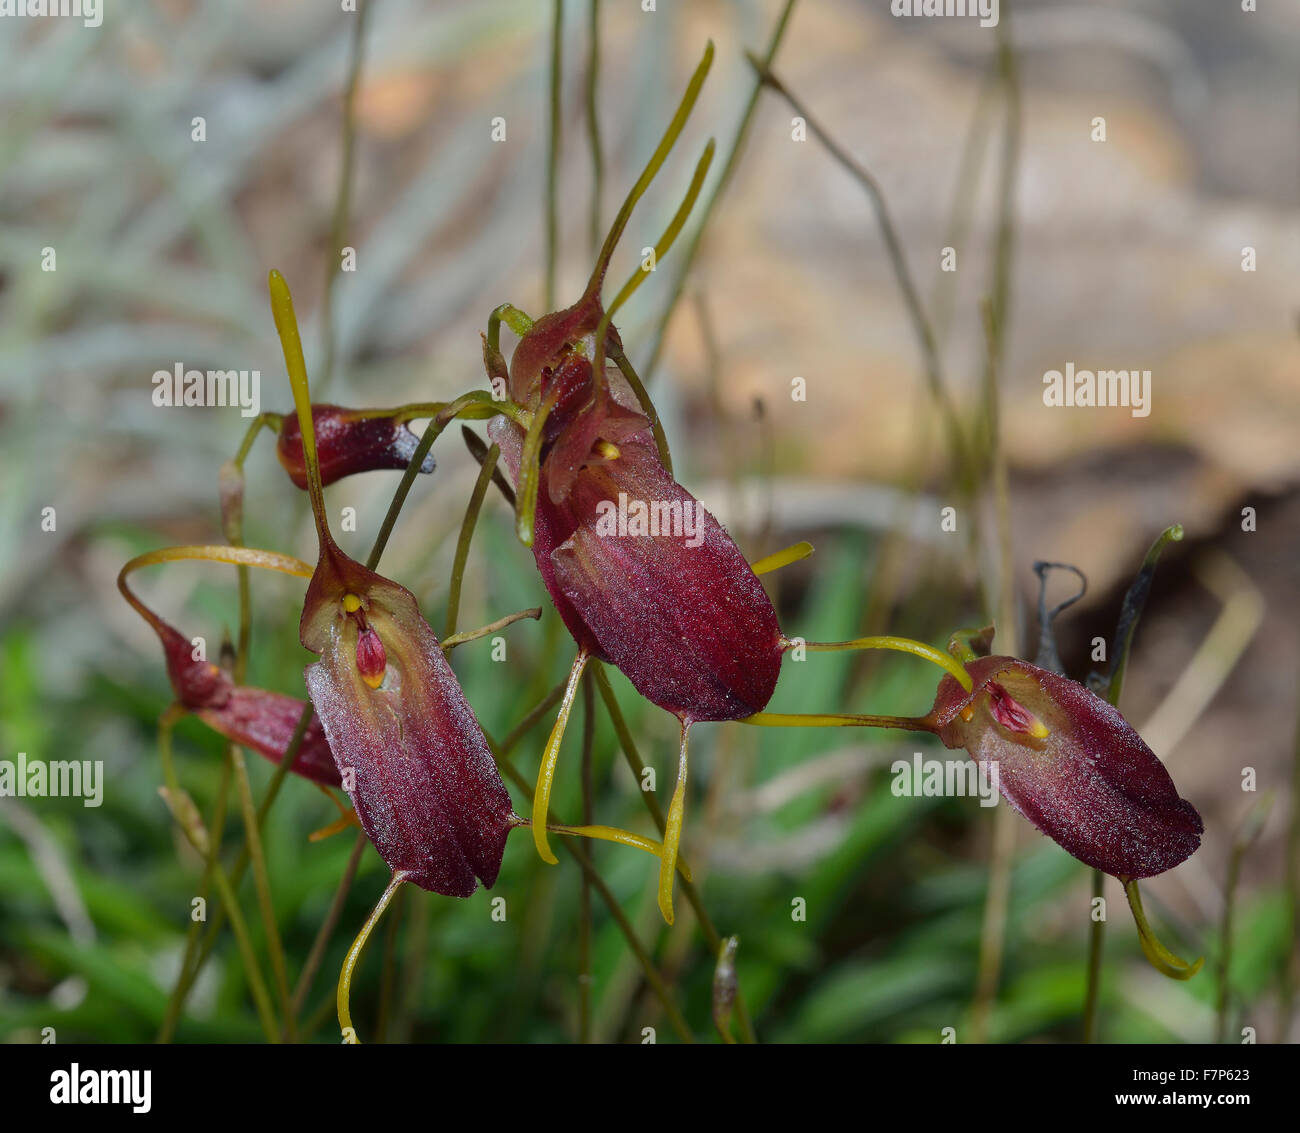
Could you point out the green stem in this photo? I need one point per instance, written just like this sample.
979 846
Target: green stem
1134 603
1156 953
720 186
553 150
652 974
241 863
262 883
485 472
343 195
476 404
216 827
1131 611
593 121
1096 939
317 953
388 970
689 888
633 379
225 891
898 260
584 894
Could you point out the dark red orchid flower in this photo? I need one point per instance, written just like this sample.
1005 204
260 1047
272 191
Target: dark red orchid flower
348 441
671 602
407 745
642 575
1071 764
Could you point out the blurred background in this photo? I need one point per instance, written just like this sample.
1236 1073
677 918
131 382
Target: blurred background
921 914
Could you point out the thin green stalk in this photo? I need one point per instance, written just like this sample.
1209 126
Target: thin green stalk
961 215
687 260
593 122
1096 939
1225 944
1135 600
241 863
388 971
475 405
584 894
343 195
993 929
417 947
234 532
244 942
262 882
652 974
485 473
326 930
198 838
216 827
549 701
692 894
232 517
1251 827
898 261
1122 646
553 151
624 365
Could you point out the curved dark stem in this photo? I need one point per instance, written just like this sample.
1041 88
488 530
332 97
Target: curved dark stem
1048 657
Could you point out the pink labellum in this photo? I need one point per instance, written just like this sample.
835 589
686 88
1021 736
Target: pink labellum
1091 785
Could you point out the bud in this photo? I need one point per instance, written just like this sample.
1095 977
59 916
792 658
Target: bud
348 441
725 987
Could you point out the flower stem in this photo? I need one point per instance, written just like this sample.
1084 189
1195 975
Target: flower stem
343 194
733 156
344 992
1096 939
633 757
593 121
948 663
553 149
466 536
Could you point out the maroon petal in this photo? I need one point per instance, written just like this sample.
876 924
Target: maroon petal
257 719
1092 785
265 721
544 345
681 614
348 441
413 757
552 525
